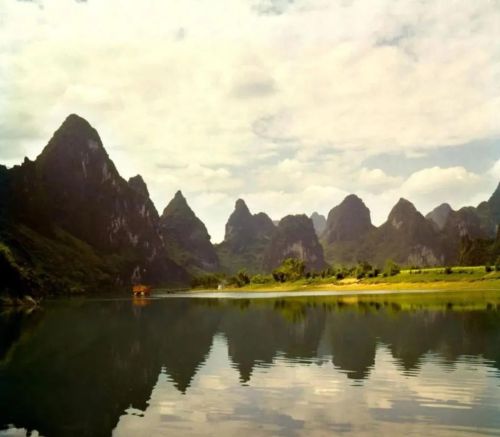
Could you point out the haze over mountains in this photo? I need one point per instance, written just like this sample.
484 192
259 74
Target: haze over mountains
69 221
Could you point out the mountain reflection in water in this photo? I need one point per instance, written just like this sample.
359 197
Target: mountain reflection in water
268 367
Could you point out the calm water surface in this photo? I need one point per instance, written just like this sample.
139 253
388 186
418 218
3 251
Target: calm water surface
291 366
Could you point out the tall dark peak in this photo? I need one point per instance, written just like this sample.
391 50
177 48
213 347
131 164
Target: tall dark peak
74 121
461 225
241 206
178 203
186 237
319 223
240 227
348 221
402 210
75 156
489 214
263 224
408 238
295 237
137 184
439 215
179 196
495 197
76 134
494 204
245 240
73 189
464 222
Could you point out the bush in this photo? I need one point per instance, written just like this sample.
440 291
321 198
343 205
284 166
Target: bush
243 277
327 273
207 281
374 273
448 270
362 269
391 268
279 276
291 269
488 268
240 279
261 279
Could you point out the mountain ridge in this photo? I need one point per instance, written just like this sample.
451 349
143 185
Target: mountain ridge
71 222
72 202
187 238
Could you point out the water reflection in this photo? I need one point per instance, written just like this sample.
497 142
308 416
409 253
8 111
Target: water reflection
286 366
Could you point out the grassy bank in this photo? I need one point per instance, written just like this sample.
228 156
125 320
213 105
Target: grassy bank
459 278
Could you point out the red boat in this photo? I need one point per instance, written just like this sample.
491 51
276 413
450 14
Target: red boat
141 290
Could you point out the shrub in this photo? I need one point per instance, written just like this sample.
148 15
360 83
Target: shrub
261 279
206 281
488 268
362 269
279 276
240 279
291 269
243 277
448 270
391 268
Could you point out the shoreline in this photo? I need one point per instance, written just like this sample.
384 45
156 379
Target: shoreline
356 288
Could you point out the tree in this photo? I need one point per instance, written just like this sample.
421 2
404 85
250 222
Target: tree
362 269
391 268
291 269
261 279
242 278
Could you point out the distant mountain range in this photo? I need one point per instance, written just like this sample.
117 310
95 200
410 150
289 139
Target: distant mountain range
70 222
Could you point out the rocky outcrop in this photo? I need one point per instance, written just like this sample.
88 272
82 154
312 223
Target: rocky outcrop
295 237
348 221
139 186
243 228
347 228
246 239
319 223
72 198
187 238
439 215
489 214
467 233
407 238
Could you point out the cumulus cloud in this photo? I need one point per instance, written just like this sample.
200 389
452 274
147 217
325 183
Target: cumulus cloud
377 180
257 97
431 185
495 170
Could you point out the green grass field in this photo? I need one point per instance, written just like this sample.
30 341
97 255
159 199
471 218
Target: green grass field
460 274
460 278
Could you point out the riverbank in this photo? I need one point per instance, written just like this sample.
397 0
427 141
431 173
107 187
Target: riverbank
493 285
435 279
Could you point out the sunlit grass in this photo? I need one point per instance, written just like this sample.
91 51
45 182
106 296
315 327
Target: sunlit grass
460 278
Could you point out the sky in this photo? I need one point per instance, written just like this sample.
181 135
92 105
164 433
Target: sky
288 104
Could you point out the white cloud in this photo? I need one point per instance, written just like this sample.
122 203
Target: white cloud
431 185
495 170
278 203
377 180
